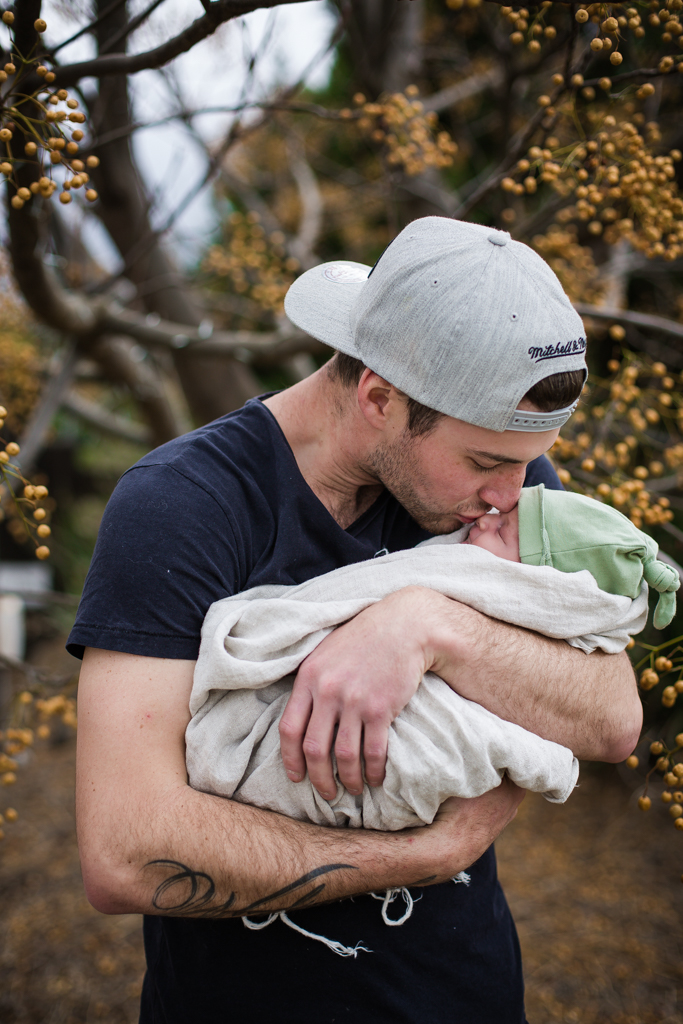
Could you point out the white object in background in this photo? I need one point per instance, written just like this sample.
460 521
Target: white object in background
25 578
12 627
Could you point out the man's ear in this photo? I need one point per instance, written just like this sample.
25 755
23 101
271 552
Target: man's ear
382 405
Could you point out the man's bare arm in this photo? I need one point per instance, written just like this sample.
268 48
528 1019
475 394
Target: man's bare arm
365 672
150 844
589 703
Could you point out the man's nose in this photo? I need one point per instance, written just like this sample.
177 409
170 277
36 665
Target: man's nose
504 495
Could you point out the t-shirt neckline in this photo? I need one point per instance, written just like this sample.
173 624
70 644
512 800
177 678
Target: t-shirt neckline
366 517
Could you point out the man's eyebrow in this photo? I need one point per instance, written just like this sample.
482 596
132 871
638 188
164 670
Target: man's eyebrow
494 457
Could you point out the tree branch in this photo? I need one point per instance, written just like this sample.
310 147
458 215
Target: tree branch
217 14
114 353
629 76
63 310
657 349
625 316
248 346
31 441
104 420
312 211
460 91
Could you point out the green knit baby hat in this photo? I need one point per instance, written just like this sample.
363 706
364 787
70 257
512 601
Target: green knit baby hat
572 532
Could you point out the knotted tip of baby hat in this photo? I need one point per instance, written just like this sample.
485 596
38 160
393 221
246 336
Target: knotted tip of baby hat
666 581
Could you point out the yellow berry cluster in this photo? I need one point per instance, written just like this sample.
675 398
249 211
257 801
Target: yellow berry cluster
255 263
660 666
10 816
620 187
614 22
622 437
672 771
407 135
32 127
573 263
30 716
533 28
26 505
20 362
51 707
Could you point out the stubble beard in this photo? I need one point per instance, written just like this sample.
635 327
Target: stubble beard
396 465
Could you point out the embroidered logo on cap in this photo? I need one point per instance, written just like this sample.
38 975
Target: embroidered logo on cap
556 351
341 274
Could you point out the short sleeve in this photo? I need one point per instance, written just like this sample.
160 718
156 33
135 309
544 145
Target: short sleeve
166 550
542 471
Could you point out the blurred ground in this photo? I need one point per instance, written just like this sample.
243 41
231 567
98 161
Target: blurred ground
595 889
594 886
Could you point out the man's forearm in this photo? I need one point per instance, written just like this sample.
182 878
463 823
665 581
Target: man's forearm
588 703
150 844
203 856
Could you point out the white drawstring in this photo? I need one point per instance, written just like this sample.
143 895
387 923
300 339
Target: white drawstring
256 926
337 947
389 897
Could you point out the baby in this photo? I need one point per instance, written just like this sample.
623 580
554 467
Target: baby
561 564
571 533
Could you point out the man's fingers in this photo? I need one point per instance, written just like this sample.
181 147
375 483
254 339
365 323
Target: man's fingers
317 747
347 752
293 725
375 752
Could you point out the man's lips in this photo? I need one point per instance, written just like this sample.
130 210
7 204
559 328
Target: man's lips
469 519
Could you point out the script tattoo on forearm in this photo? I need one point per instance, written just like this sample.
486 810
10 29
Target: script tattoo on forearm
190 893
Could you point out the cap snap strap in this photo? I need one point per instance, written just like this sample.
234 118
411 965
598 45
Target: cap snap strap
522 419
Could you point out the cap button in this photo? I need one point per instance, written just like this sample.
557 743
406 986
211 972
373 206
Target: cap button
499 237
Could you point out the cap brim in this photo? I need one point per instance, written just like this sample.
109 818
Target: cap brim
321 300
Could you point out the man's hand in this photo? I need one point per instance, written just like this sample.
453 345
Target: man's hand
357 680
481 820
364 673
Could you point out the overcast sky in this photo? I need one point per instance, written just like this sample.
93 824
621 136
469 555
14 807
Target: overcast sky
288 39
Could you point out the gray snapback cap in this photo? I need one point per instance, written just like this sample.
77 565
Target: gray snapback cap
458 316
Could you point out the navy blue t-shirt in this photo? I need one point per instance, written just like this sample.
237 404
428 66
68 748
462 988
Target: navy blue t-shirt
210 514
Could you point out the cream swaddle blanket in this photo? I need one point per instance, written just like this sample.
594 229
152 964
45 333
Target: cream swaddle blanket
441 744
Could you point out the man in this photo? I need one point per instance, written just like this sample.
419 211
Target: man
437 405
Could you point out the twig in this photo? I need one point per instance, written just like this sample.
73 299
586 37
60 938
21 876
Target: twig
90 26
129 28
628 76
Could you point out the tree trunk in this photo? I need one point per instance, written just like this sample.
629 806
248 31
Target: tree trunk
384 41
212 386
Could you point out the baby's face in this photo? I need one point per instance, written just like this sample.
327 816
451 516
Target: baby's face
498 533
